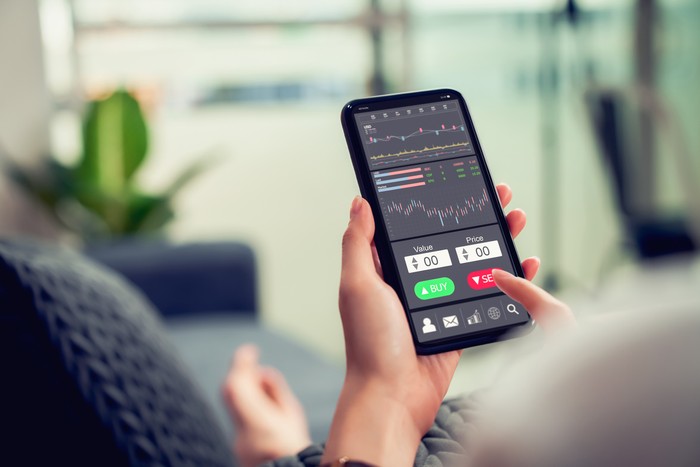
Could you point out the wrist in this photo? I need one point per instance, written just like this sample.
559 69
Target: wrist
373 426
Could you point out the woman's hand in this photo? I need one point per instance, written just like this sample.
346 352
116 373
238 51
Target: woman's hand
269 420
550 314
391 395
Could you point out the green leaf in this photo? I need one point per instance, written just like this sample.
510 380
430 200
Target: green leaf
47 184
148 214
189 173
115 142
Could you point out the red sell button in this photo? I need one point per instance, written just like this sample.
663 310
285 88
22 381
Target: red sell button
481 279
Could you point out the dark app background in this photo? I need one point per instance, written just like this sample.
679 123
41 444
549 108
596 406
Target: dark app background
439 217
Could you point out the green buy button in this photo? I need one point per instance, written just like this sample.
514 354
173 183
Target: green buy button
434 288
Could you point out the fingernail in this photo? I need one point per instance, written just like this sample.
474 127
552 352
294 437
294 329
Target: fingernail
355 206
500 272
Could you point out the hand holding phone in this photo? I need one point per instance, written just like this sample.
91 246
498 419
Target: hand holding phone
440 231
391 395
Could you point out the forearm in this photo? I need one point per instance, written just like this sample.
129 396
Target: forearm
372 427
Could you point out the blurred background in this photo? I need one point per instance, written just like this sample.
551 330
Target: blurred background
588 109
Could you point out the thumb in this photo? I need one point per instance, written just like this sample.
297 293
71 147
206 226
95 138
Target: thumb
358 258
546 310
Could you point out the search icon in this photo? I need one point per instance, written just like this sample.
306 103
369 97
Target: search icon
511 309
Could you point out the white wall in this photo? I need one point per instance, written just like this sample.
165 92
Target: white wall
24 108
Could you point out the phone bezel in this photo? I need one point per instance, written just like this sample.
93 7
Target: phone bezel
381 237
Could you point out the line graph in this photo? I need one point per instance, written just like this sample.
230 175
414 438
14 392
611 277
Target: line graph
424 153
419 132
415 137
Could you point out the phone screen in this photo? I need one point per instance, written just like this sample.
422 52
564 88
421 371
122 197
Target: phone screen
440 218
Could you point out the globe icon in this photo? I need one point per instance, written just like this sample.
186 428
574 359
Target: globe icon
493 313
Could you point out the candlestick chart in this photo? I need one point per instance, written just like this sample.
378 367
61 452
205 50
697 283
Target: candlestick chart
435 197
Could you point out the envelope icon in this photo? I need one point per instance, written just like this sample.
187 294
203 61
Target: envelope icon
450 321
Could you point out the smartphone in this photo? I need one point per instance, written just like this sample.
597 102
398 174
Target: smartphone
439 226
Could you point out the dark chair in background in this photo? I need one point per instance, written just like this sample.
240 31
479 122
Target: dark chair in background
651 232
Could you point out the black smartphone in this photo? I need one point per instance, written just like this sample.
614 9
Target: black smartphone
440 229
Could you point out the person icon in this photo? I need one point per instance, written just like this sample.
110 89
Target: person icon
428 326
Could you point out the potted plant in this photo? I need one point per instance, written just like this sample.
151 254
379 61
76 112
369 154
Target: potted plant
98 198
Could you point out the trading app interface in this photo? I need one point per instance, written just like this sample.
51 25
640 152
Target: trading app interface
440 219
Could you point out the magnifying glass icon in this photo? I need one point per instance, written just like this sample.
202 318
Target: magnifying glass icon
511 309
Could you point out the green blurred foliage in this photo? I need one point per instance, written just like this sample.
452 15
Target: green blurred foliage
98 198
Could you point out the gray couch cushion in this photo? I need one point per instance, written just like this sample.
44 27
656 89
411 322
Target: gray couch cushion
206 342
186 278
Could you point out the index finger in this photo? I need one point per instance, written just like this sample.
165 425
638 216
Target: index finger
546 310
